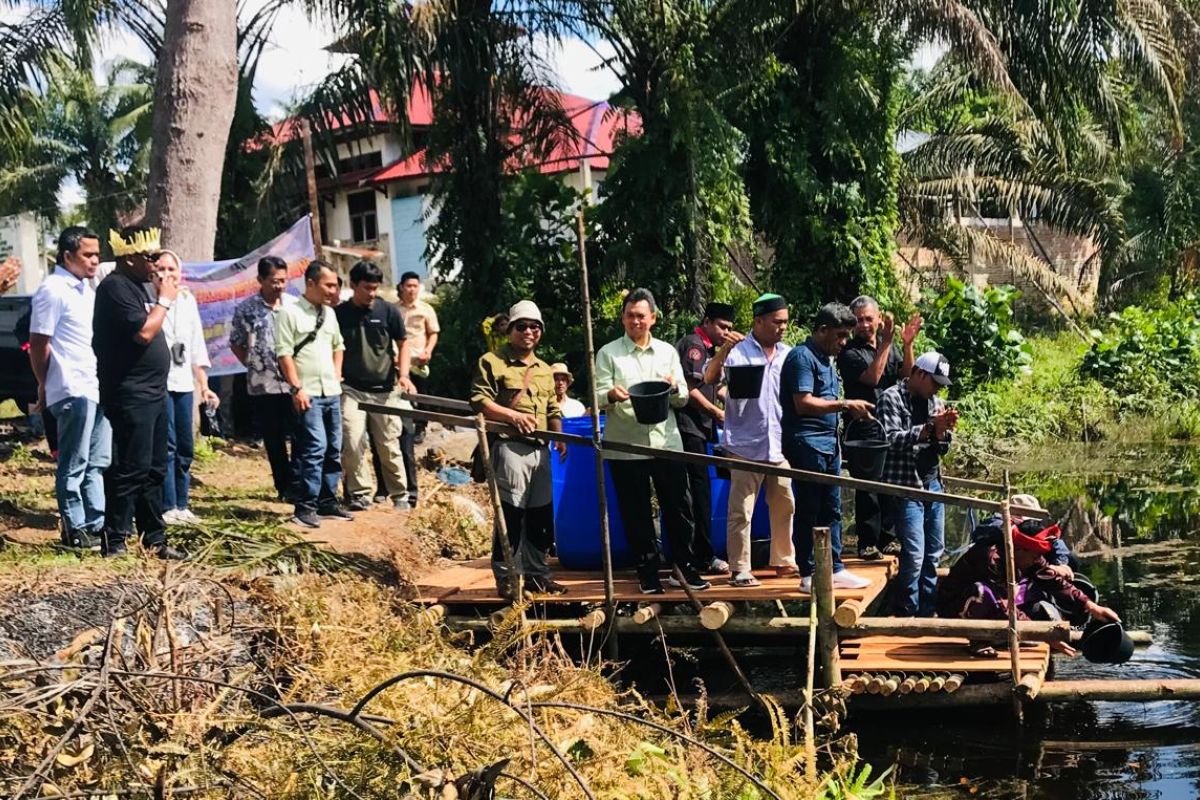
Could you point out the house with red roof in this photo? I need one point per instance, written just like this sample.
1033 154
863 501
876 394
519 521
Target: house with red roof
376 203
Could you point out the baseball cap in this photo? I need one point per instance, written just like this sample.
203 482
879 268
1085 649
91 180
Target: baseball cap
524 309
936 365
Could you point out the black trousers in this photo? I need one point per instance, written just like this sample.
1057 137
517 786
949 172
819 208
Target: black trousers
277 421
421 382
874 519
534 525
633 481
133 483
700 489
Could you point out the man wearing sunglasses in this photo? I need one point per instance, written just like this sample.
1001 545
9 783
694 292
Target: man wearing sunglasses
132 362
514 386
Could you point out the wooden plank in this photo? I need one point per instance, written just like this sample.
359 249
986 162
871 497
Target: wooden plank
934 654
434 586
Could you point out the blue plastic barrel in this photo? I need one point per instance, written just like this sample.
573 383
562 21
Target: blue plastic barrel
576 512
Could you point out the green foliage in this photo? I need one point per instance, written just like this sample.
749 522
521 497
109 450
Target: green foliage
974 329
1149 351
857 785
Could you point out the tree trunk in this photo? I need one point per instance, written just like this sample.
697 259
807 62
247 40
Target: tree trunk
194 100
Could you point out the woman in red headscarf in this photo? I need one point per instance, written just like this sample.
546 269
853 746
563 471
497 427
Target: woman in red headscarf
976 587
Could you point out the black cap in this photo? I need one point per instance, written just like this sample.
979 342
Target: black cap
719 311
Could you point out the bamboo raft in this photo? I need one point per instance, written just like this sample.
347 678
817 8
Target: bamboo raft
872 661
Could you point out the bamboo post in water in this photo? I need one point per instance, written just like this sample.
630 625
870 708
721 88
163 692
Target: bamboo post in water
590 346
822 596
1010 572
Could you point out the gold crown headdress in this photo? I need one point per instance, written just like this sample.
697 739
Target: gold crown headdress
147 241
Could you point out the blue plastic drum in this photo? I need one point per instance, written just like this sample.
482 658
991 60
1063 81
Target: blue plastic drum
576 515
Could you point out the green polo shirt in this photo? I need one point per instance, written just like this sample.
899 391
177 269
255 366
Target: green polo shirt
623 363
314 364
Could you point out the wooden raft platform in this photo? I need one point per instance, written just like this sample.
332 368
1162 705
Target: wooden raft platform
905 654
471 582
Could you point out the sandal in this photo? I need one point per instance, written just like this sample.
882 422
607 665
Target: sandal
744 580
983 650
787 571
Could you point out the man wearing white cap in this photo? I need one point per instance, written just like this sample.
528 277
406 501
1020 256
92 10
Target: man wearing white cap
514 386
918 426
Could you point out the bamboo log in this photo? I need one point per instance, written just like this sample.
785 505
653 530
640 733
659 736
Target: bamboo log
938 683
714 615
954 682
922 684
432 615
513 578
875 685
647 613
908 684
1172 689
1030 685
856 684
496 618
890 686
994 630
593 619
848 612
822 592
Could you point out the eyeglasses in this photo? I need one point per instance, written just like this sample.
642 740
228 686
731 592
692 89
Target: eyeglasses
152 257
522 327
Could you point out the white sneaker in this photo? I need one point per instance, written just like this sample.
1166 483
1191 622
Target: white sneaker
806 584
848 580
185 517
171 517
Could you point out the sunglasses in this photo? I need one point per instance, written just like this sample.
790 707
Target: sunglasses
522 327
152 257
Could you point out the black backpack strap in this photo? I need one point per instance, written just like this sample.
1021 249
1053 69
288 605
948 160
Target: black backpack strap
300 345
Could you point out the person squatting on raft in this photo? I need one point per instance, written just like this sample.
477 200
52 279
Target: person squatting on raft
976 586
516 387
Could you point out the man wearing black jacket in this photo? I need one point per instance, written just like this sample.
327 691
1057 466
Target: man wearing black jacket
376 362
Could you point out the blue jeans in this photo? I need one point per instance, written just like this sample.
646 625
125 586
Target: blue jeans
180 450
84 452
817 506
318 459
920 527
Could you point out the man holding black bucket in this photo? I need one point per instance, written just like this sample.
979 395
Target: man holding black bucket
638 379
753 431
870 364
698 420
918 428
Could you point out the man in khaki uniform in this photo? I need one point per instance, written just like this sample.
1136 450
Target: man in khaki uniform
421 323
516 387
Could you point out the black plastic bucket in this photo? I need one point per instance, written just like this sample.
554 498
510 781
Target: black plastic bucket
651 401
1106 643
745 381
865 449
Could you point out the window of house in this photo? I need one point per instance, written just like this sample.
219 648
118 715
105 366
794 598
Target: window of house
364 224
360 161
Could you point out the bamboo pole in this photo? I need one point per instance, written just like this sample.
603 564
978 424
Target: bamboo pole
647 613
822 596
714 615
593 619
1029 685
993 630
310 175
822 478
590 347
514 581
954 682
1010 571
848 612
810 733
432 615
1171 689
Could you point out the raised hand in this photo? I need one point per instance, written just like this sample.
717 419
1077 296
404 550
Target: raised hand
911 329
889 328
732 338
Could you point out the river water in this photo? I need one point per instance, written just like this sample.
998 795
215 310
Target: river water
1133 516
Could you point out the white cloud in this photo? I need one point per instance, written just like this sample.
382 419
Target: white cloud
580 67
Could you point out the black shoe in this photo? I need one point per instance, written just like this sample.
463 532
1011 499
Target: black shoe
648 579
892 548
870 554
334 512
359 504
691 578
113 546
544 586
307 519
168 553
82 540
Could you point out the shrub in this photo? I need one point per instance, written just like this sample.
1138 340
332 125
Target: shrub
974 329
1148 351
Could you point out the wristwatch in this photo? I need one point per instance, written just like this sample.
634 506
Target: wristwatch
164 302
294 390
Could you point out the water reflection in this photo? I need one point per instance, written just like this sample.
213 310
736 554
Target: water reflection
1133 516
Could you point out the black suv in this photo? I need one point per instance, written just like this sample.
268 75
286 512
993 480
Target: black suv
16 376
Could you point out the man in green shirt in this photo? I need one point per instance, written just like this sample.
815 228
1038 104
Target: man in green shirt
516 387
309 345
634 358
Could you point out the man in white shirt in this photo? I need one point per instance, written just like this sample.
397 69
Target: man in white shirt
185 380
562 382
635 358
421 322
60 352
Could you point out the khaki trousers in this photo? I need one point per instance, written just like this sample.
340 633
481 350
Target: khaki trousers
743 494
385 430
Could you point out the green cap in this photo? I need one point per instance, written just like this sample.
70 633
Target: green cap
768 303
